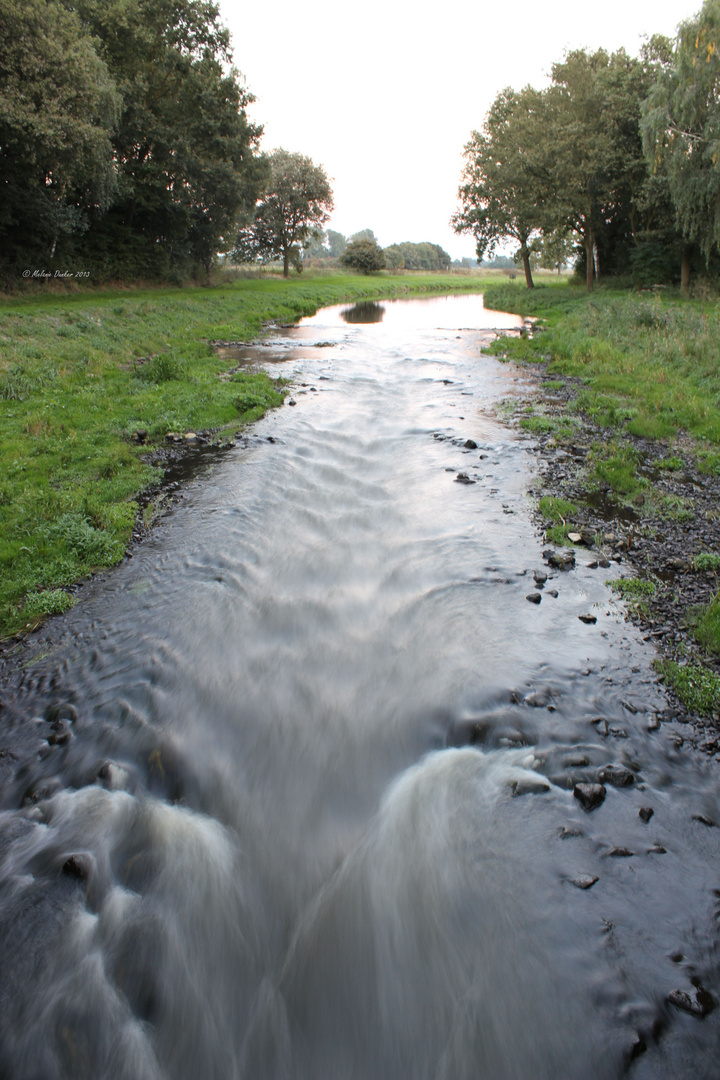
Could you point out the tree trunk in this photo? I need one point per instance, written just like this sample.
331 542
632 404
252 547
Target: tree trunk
526 266
590 265
597 262
685 270
286 262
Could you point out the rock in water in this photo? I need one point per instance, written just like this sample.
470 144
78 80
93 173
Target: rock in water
584 881
590 796
701 1005
534 597
617 775
645 813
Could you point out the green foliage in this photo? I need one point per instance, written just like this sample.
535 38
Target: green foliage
556 509
423 256
39 606
671 464
503 183
696 686
58 108
363 255
125 148
297 199
707 560
656 362
632 588
160 369
707 628
681 126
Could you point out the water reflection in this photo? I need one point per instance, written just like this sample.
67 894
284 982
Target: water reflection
365 311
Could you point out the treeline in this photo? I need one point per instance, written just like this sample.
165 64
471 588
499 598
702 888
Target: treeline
331 247
125 148
618 160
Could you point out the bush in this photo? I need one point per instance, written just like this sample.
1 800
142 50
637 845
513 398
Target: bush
364 255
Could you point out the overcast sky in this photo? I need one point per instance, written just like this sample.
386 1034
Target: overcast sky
384 94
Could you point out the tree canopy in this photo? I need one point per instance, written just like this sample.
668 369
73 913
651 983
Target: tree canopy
364 255
124 140
620 153
296 201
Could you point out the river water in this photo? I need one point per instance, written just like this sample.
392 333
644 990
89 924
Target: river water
307 808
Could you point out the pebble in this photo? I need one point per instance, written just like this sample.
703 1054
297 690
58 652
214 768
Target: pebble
617 775
620 853
531 786
704 820
463 478
589 619
645 813
590 796
657 849
470 444
553 593
79 866
534 597
701 1005
540 577
584 881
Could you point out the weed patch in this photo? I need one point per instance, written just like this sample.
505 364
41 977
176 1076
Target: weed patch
696 686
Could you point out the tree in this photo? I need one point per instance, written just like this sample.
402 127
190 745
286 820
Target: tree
681 129
297 200
365 234
505 178
336 243
555 249
185 153
596 162
58 108
364 255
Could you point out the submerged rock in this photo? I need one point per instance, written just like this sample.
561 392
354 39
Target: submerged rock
584 881
590 796
617 775
534 597
701 1004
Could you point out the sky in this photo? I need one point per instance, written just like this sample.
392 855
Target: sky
384 94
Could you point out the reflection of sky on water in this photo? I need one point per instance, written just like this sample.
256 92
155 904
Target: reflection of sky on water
435 312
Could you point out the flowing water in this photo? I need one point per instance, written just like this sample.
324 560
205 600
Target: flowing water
306 812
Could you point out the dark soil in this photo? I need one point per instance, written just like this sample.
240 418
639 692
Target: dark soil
633 534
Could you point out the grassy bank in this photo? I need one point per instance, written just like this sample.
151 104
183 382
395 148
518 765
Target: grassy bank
79 374
637 380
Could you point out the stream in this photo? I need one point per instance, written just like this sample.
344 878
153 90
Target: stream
300 797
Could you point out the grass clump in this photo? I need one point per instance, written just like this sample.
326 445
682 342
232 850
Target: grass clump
560 512
671 464
696 686
632 588
706 560
38 606
707 628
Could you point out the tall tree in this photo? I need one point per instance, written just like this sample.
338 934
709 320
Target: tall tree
185 152
681 128
297 200
597 163
505 179
58 108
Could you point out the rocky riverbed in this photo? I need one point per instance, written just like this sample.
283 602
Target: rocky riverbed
666 534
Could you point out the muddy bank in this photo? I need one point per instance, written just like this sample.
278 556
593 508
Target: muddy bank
660 534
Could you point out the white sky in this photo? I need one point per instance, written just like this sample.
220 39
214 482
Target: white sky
384 94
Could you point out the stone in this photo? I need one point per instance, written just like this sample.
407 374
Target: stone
645 813
530 786
566 833
701 1004
292 401
617 775
538 699
139 436
584 881
620 853
704 820
587 535
590 796
593 565
657 849
470 444
190 436
604 563
554 593
79 866
534 597
589 619
575 537
540 577
561 560
463 478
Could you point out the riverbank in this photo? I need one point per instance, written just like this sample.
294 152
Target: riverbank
628 427
99 391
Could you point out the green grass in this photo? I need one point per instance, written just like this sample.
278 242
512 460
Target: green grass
632 588
696 686
707 627
707 560
651 366
80 373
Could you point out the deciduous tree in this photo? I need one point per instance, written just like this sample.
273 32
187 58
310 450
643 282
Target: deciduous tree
297 199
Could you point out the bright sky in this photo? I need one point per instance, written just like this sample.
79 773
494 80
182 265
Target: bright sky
384 93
